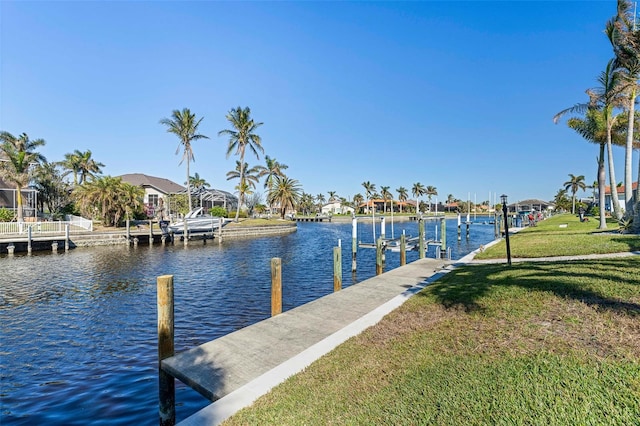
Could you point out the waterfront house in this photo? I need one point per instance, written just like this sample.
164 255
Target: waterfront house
156 192
620 194
336 207
8 200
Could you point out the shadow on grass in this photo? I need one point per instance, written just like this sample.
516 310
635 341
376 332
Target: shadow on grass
609 284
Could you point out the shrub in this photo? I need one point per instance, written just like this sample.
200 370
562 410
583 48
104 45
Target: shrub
6 215
218 211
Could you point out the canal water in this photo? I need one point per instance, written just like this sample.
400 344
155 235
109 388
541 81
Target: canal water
78 329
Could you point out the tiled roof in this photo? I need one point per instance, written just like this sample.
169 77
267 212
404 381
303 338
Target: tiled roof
162 184
620 189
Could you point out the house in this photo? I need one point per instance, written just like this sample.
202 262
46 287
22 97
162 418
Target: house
8 199
620 192
380 204
156 191
336 207
530 205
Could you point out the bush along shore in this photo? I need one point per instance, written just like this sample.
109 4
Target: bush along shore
538 342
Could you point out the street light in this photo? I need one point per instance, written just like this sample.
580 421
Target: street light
503 198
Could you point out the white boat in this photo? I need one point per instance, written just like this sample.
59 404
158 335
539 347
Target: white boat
197 221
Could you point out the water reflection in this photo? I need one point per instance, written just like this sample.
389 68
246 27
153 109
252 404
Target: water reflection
79 328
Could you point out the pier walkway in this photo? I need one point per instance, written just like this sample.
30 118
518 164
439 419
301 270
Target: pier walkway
236 369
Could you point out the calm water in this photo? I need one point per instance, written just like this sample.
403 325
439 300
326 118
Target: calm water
78 329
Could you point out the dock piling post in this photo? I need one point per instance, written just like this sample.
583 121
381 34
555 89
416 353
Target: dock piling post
184 234
128 230
403 250
459 229
337 268
443 233
54 247
11 248
383 236
29 240
421 238
354 243
276 286
220 219
66 237
150 232
468 223
379 256
167 385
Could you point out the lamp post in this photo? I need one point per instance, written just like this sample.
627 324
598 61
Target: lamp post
503 198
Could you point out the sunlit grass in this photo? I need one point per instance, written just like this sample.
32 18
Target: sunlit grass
564 235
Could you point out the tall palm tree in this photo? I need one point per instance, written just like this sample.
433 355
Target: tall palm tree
250 178
18 165
625 40
320 200
574 183
604 98
386 195
357 200
88 168
272 170
593 128
403 194
184 125
430 191
241 137
197 182
332 196
369 189
71 164
286 193
417 190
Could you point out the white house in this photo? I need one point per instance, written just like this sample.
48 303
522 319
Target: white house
336 207
155 192
620 192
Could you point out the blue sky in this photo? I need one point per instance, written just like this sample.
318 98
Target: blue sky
458 95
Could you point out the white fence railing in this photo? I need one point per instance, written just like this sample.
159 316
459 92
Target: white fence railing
80 222
44 228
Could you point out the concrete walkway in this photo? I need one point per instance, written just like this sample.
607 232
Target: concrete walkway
236 369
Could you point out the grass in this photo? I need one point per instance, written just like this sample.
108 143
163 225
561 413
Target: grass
548 238
536 343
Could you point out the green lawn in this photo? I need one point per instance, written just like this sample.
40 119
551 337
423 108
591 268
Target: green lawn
536 343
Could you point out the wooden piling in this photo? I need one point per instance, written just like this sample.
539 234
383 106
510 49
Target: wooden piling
276 286
468 223
66 237
421 238
150 232
128 230
184 234
54 247
379 256
354 243
443 234
29 239
167 386
337 269
403 250
459 228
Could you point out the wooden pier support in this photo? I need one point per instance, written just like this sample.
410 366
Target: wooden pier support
29 240
354 243
443 234
379 262
54 247
167 385
421 238
11 249
459 228
66 237
150 232
403 250
337 268
276 286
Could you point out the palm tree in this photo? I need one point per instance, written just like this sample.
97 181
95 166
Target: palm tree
320 200
17 166
386 195
53 191
196 182
417 190
431 190
184 125
286 193
272 170
625 40
574 183
403 194
240 137
108 197
370 189
251 175
604 98
357 200
71 164
87 166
